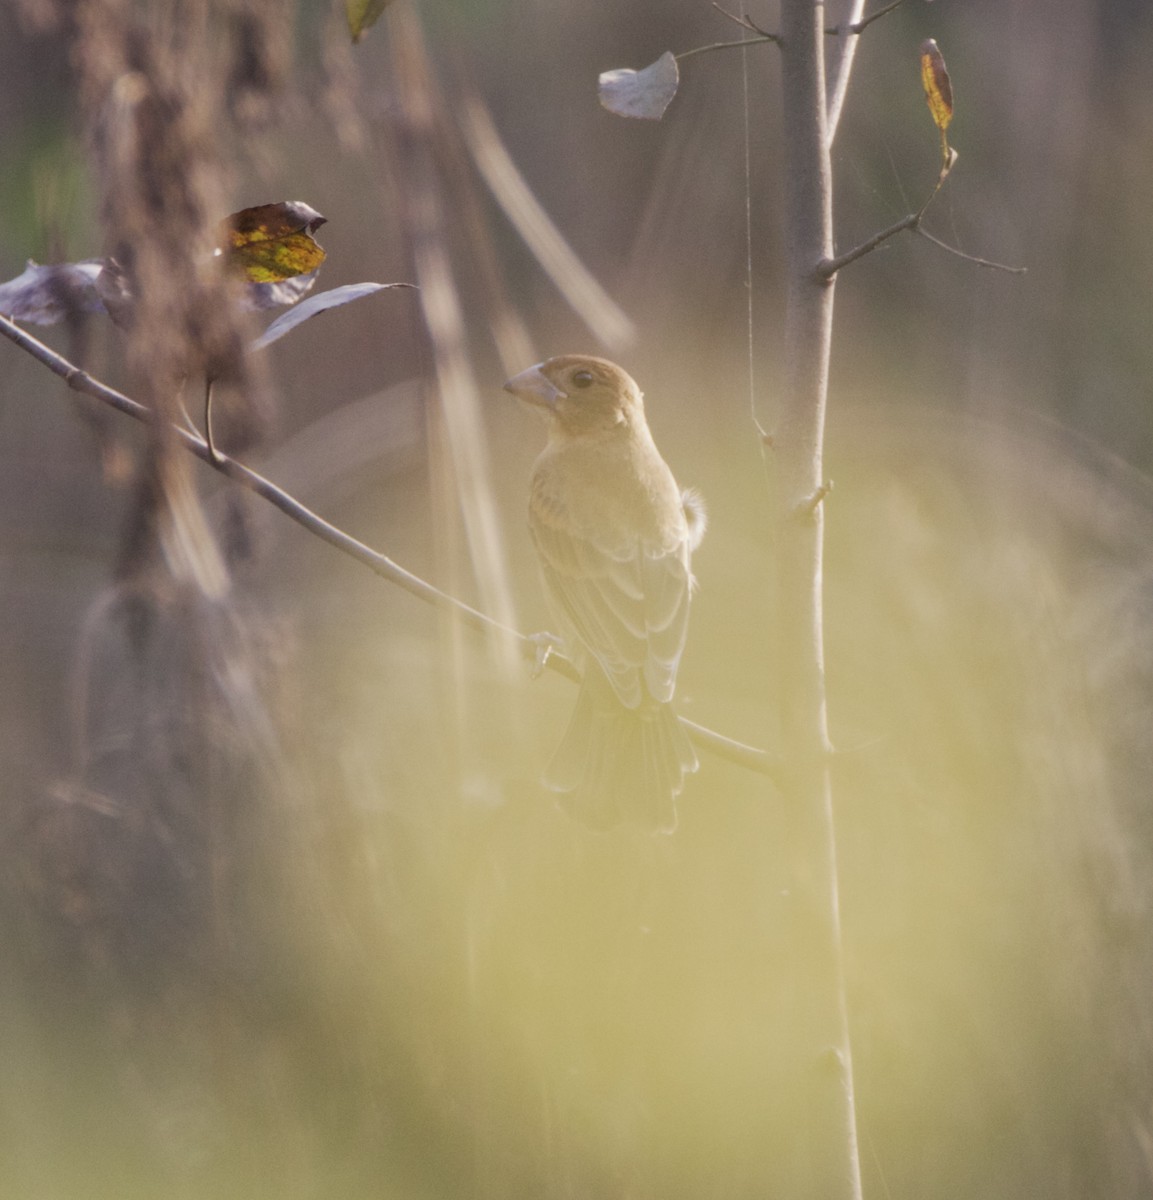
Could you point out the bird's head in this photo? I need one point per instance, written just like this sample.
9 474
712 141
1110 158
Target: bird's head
581 394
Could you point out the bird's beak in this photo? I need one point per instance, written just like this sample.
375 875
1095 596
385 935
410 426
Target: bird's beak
533 387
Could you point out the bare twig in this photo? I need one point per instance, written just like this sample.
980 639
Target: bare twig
724 747
209 441
980 262
828 267
753 41
863 23
855 25
746 22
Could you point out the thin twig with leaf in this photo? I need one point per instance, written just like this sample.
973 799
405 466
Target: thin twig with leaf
81 381
939 97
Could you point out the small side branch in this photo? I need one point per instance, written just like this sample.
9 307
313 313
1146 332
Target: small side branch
980 262
808 506
851 28
828 267
753 41
736 752
746 22
863 24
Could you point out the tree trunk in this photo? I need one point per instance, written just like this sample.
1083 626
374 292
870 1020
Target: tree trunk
818 1082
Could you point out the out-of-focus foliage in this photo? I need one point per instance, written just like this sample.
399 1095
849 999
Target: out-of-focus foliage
315 305
44 295
284 909
362 15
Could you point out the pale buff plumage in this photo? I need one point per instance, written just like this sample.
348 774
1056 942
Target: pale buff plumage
614 535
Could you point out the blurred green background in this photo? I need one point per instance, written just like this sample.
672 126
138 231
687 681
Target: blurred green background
285 911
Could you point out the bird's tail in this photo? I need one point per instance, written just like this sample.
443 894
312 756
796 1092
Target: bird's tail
619 765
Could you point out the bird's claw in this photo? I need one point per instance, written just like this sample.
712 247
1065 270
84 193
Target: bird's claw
545 646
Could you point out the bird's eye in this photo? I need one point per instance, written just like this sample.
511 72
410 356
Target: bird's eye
582 379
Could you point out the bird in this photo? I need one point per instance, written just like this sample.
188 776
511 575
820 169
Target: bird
614 535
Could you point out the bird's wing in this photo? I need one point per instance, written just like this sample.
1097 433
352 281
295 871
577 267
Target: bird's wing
627 603
667 585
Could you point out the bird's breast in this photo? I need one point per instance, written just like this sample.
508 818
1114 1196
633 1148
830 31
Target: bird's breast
613 495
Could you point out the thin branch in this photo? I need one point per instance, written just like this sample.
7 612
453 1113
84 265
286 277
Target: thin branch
209 440
736 752
753 41
980 262
746 22
863 24
840 77
852 30
855 27
828 267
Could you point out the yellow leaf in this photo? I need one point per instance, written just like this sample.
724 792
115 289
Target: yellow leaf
938 87
361 14
273 242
